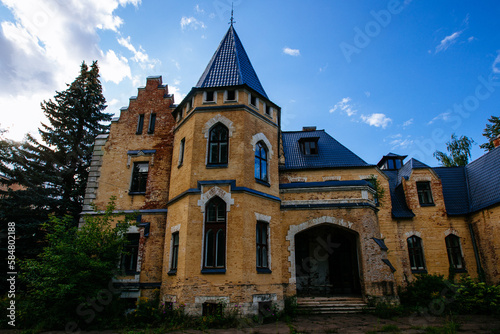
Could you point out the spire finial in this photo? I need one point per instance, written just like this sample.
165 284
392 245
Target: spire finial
232 12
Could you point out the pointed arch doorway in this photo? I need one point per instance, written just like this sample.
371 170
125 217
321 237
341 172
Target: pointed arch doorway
326 261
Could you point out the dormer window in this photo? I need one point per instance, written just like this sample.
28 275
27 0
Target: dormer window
189 105
210 97
269 110
309 146
254 101
230 95
393 164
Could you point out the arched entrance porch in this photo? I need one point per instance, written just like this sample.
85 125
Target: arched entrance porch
326 262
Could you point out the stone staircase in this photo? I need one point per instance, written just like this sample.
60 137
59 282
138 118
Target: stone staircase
331 305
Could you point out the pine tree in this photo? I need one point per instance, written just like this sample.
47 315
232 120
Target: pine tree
53 172
459 152
491 132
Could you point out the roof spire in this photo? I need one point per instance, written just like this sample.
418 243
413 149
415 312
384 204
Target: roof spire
232 12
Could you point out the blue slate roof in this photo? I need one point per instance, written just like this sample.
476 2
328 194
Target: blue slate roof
331 153
407 168
398 199
455 192
483 176
230 66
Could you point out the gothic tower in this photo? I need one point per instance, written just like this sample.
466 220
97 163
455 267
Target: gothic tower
224 207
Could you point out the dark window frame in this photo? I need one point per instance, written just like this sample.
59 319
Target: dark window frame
231 95
182 147
139 180
261 167
218 145
424 192
309 146
214 237
262 245
454 250
152 123
416 254
140 125
174 261
209 94
130 256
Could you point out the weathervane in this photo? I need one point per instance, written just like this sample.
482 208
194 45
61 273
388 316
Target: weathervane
232 11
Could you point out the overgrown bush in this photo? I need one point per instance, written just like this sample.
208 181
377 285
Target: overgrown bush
476 297
435 295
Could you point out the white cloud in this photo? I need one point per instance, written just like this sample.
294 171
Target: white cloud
448 41
191 22
368 94
345 106
443 116
42 47
408 123
495 67
291 52
198 9
114 68
471 39
140 56
401 143
377 120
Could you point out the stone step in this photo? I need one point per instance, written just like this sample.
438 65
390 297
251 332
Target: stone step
330 305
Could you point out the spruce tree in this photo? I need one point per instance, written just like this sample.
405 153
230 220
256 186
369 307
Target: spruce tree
52 172
491 132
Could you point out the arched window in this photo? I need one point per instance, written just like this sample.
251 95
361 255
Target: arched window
218 145
261 162
215 234
454 252
416 253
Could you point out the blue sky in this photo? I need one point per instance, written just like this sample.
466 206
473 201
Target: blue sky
379 76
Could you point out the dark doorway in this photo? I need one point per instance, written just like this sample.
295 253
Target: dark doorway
326 262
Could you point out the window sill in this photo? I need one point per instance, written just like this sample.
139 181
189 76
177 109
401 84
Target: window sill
230 101
216 165
264 183
214 271
264 271
428 204
172 272
209 102
419 271
137 193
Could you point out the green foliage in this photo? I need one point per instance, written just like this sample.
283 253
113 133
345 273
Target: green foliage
433 294
424 290
491 132
459 152
474 297
53 172
70 280
291 307
379 190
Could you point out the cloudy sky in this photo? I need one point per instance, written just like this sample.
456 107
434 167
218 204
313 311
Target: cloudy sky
380 76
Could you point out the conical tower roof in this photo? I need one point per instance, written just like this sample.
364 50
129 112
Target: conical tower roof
230 66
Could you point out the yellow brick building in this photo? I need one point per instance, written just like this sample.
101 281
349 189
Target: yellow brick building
233 210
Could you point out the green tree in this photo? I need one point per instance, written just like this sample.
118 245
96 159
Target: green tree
53 172
491 132
69 282
459 152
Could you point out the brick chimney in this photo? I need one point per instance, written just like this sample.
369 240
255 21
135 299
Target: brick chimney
308 128
496 141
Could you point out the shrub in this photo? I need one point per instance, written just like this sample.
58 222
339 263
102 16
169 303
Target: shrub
426 289
474 297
